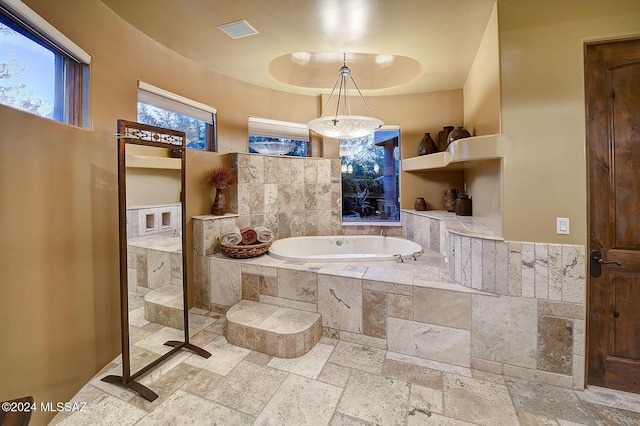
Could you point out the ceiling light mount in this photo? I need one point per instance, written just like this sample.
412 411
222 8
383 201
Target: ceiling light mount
344 126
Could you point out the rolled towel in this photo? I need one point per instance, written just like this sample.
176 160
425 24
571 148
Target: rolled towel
249 235
265 235
232 238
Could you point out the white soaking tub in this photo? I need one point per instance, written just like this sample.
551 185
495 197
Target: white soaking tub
343 248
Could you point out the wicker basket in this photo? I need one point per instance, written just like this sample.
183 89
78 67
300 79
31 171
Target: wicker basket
244 252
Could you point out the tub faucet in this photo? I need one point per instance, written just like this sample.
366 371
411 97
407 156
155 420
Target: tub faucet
383 232
399 258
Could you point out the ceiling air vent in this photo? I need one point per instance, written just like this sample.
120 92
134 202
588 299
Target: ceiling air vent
238 29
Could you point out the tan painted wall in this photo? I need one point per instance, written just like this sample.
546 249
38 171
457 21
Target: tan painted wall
543 109
59 297
482 117
482 87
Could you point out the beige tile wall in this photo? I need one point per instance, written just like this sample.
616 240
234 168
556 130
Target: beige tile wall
292 196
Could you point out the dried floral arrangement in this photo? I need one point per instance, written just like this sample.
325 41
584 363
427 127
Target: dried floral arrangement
221 177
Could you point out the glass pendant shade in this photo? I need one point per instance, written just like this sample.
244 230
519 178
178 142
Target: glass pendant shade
344 126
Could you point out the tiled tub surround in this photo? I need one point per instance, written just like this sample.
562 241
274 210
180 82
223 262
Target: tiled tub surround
154 267
535 329
416 309
292 196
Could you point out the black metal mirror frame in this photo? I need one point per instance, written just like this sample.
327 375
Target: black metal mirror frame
142 134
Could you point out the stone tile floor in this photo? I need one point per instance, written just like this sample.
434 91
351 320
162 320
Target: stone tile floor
336 383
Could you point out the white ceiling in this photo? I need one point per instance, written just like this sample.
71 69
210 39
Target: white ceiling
392 46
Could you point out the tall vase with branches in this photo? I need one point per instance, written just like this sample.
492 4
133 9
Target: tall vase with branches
220 178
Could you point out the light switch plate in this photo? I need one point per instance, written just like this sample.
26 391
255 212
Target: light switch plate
562 225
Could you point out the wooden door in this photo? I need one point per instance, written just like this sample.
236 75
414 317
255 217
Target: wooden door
612 89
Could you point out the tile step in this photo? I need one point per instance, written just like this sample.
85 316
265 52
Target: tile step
273 330
164 306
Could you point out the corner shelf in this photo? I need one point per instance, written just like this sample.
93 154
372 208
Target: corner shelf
460 154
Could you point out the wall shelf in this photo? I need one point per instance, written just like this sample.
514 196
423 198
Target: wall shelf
150 162
460 154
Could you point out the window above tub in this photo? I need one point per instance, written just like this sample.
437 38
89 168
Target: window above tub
370 181
41 70
158 107
274 137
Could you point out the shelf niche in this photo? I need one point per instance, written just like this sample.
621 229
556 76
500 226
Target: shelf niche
475 161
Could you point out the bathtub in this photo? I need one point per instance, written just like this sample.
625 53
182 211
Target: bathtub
346 248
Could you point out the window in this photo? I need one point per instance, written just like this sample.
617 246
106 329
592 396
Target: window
41 70
158 107
370 184
273 137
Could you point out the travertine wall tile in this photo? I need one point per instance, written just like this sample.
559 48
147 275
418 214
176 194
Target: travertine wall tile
198 237
578 371
200 270
298 285
489 266
515 268
297 170
555 345
340 302
374 314
400 306
578 337
283 169
573 286
425 236
324 171
538 376
442 307
476 263
432 342
502 267
561 309
311 171
256 198
541 270
465 261
250 287
555 272
528 271
434 239
504 329
256 168
457 258
225 280
158 268
271 169
484 365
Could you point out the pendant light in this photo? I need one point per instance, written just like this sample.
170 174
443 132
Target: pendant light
345 125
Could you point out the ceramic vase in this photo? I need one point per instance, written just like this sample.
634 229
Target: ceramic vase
442 137
219 206
427 145
421 204
463 205
458 133
450 197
